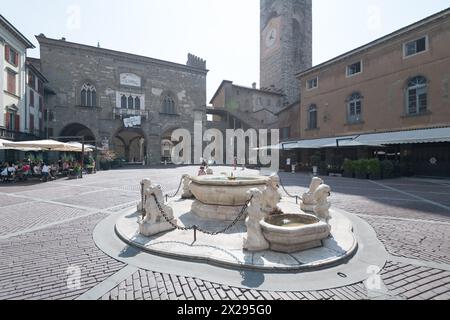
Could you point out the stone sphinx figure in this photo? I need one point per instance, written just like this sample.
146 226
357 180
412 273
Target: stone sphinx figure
308 201
152 221
187 194
322 207
272 196
254 240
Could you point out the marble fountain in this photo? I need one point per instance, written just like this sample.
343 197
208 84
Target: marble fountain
275 235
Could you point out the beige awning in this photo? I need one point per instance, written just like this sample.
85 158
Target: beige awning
48 145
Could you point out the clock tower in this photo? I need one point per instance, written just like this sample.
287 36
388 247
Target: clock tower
286 44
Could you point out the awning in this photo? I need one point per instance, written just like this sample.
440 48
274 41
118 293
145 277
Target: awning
49 145
433 135
3 147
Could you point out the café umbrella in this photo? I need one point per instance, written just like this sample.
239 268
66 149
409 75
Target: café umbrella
48 145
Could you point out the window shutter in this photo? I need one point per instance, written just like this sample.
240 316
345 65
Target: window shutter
17 124
7 53
16 59
7 120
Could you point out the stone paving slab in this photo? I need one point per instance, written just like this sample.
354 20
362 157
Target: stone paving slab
8 200
34 265
102 199
29 215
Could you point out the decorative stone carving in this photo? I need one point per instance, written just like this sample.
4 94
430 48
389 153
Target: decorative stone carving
187 194
322 207
308 201
152 221
272 196
254 240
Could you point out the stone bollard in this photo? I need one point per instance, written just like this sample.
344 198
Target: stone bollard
322 207
254 239
308 201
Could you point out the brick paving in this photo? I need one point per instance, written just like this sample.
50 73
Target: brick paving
45 228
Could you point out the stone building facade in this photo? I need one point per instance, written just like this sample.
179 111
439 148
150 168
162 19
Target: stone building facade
128 103
286 44
256 108
398 82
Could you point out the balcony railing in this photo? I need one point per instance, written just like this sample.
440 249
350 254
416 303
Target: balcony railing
19 136
119 113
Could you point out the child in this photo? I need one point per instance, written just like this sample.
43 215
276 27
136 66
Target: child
202 171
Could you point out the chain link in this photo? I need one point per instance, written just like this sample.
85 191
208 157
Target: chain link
195 227
284 189
178 190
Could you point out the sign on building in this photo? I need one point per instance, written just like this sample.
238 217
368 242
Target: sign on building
132 122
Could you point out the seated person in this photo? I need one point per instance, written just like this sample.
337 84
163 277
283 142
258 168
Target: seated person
37 170
202 171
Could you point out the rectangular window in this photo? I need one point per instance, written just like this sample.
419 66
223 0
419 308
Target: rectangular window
285 133
41 104
354 68
41 87
11 56
312 84
11 82
415 47
31 123
31 98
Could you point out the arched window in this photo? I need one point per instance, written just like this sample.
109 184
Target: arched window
312 117
137 103
417 96
130 102
354 108
123 102
88 95
168 105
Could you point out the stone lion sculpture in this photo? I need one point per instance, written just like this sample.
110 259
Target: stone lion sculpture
308 201
272 196
153 221
254 239
187 194
322 207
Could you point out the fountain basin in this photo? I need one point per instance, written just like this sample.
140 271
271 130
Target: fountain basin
219 190
290 233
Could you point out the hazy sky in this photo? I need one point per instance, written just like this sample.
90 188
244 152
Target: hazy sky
224 32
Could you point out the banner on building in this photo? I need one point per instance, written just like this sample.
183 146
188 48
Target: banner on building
132 122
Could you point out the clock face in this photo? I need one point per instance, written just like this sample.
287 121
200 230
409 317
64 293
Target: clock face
271 37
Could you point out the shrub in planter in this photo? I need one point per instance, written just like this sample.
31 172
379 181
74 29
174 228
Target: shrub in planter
374 169
323 168
387 169
105 165
348 167
361 168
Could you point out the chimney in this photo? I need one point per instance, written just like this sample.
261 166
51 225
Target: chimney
63 39
254 85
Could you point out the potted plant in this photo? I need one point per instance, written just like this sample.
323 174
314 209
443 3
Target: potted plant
315 162
361 167
349 170
374 169
387 169
107 158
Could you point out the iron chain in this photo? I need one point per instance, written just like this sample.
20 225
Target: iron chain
195 227
284 189
178 190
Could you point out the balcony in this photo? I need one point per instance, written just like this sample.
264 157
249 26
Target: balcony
119 113
19 136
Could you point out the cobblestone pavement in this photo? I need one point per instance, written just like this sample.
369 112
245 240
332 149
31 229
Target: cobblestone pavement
47 227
